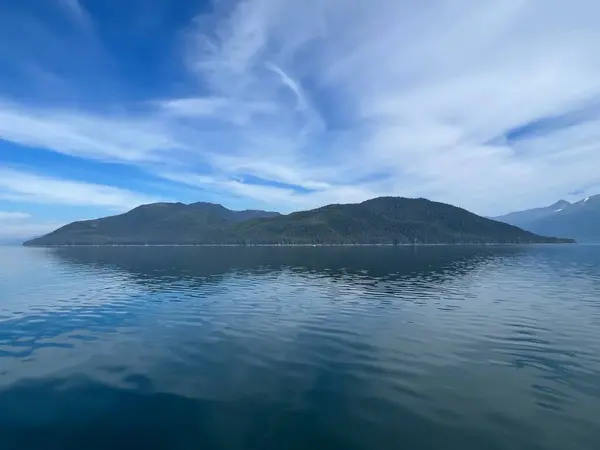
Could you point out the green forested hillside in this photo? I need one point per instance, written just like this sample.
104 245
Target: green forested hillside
384 220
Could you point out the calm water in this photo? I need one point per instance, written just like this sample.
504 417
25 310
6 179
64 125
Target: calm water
300 348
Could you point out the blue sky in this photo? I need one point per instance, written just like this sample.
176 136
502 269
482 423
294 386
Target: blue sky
277 104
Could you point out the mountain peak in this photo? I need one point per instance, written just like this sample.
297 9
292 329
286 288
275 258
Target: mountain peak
206 205
577 220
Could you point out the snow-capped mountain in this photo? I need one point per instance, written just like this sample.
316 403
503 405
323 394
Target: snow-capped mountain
579 220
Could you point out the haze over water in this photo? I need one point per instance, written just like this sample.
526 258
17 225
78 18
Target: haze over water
300 348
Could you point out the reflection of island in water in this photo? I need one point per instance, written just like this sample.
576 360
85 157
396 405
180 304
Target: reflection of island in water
296 348
234 364
172 263
103 288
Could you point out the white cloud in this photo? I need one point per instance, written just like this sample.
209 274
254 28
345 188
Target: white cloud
342 100
6 216
429 89
77 133
20 186
284 199
266 195
219 108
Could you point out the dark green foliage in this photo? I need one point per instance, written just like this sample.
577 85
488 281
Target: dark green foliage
385 220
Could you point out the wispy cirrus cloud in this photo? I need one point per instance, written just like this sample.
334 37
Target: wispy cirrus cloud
27 187
218 109
123 138
13 215
300 104
418 98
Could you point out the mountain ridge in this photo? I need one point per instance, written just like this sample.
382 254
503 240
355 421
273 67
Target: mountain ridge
579 220
382 220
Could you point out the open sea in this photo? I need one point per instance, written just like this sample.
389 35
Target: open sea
466 348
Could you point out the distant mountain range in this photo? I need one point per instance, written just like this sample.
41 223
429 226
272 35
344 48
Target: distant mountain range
579 220
384 220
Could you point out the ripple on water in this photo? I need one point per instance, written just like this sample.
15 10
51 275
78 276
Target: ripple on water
304 348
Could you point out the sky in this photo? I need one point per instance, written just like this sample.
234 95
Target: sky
283 105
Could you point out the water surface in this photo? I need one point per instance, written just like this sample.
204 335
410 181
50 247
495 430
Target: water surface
300 348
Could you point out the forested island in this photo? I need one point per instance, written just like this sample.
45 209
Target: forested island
383 220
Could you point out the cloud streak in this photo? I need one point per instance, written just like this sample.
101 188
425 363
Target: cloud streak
6 216
26 187
80 134
429 92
